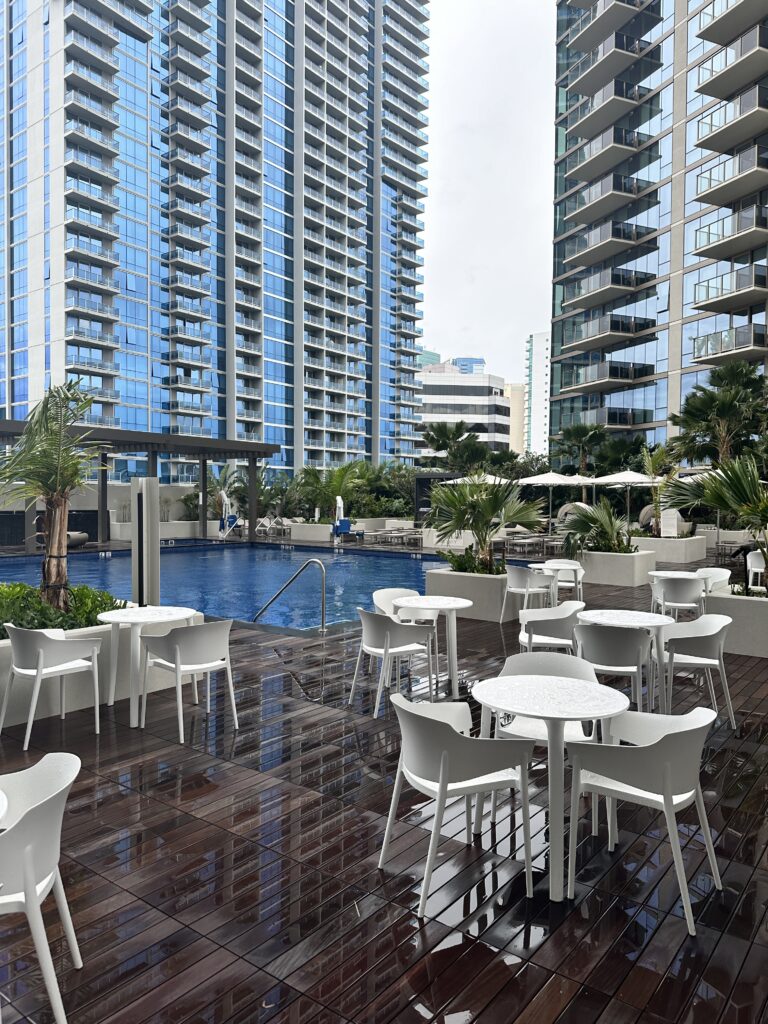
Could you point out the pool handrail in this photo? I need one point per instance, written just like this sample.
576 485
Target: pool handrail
299 571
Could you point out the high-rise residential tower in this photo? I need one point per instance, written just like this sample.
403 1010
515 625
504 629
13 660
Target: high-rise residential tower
660 211
212 216
537 388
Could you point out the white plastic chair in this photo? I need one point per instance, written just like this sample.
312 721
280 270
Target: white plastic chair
384 602
29 857
661 771
390 640
678 595
699 646
569 577
526 583
549 627
618 651
38 654
190 651
755 567
715 578
439 760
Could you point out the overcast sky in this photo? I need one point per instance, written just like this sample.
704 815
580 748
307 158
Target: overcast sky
488 237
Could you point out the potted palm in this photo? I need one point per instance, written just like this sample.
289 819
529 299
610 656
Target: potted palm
478 509
661 468
601 540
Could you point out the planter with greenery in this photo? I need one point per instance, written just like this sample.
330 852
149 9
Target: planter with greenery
600 539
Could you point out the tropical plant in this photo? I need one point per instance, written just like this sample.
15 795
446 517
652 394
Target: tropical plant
384 490
458 448
597 528
619 453
482 509
319 488
734 488
579 443
23 605
658 464
49 463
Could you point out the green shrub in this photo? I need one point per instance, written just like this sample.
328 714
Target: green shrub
21 605
467 561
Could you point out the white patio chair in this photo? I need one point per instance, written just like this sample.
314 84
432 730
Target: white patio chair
388 640
38 654
755 567
661 771
29 857
190 651
655 585
439 760
699 647
527 583
678 595
715 578
569 579
549 627
384 602
618 651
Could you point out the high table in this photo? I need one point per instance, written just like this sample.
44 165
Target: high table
447 606
136 617
652 621
555 700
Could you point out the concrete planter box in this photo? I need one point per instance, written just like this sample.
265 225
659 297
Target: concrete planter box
457 542
487 594
177 529
748 633
310 533
674 549
618 570
79 689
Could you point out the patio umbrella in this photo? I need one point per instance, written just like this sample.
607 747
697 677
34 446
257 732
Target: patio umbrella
552 480
482 478
629 479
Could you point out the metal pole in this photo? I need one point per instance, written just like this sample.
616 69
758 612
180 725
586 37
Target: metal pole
252 476
102 515
151 463
202 517
288 582
550 510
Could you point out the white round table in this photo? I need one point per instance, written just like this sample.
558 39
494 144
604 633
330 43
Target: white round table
652 621
555 700
136 617
447 606
673 574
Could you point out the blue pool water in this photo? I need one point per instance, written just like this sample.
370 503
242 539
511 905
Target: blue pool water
234 581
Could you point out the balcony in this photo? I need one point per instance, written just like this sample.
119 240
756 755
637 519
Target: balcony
723 20
605 331
736 122
607 61
604 242
605 108
736 66
601 20
606 376
747 342
198 17
733 292
739 176
610 418
604 287
604 197
200 382
606 151
738 233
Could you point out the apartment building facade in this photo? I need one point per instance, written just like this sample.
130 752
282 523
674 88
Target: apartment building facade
538 382
451 395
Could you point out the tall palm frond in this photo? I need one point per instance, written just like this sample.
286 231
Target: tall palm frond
597 528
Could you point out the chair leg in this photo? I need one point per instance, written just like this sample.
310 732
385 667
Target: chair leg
179 705
33 707
468 816
682 881
358 666
711 685
195 696
40 939
145 673
639 685
595 814
702 812
62 700
430 672
392 817
66 920
723 683
6 698
231 689
526 830
573 829
385 674
95 673
610 807
207 693
434 842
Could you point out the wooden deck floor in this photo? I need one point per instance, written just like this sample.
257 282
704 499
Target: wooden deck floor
234 879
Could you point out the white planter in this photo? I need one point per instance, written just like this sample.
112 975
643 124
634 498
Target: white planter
748 633
674 549
79 688
456 542
176 529
487 593
618 570
310 533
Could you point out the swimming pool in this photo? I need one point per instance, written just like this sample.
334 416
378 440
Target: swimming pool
234 581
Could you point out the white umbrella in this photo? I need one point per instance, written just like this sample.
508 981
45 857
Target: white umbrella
481 478
339 508
628 478
552 480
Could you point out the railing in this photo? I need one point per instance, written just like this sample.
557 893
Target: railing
281 591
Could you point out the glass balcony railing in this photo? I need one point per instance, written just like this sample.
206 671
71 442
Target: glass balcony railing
610 231
606 279
622 183
610 137
731 226
617 42
606 325
756 38
581 376
756 157
733 340
594 12
725 114
735 281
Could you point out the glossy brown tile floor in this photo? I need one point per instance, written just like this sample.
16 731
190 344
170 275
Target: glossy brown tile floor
234 878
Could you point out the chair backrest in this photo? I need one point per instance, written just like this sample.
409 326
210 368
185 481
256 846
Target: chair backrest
755 561
675 590
702 638
378 630
715 578
549 663
30 847
613 645
521 578
26 645
201 644
556 622
426 737
383 600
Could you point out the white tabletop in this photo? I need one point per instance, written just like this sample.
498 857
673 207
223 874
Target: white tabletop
146 613
436 603
673 574
550 697
625 617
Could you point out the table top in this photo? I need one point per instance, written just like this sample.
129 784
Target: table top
673 574
625 617
147 613
550 697
436 603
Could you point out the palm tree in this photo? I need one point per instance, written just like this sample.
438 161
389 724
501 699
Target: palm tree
482 509
461 447
320 488
597 529
49 463
618 453
579 443
658 463
441 437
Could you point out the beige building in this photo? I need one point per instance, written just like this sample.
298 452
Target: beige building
516 395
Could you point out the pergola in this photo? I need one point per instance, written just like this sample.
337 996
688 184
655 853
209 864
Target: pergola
203 449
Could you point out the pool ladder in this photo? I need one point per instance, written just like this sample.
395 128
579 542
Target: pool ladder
299 571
